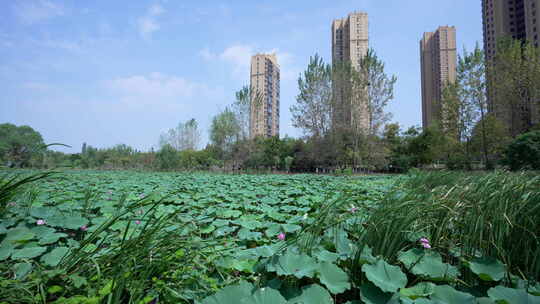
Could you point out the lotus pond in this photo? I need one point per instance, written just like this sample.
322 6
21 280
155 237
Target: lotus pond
140 237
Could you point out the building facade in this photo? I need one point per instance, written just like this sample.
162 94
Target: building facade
517 19
264 107
350 43
438 68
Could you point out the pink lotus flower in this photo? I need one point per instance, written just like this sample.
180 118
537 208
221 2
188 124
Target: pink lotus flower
84 228
281 236
426 245
353 209
12 204
137 222
141 195
40 222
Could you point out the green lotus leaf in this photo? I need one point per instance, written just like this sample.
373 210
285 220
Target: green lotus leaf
249 224
367 256
6 249
487 268
231 294
207 229
51 238
326 256
428 264
70 222
40 231
484 301
21 270
3 228
420 290
54 257
231 213
273 230
504 295
448 295
245 234
19 235
335 279
28 253
312 294
387 277
41 212
265 296
290 227
299 265
534 289
371 294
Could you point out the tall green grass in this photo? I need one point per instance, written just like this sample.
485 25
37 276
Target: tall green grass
495 214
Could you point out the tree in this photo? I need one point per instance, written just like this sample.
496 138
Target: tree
380 90
245 99
471 81
19 144
493 132
312 110
224 131
524 152
514 80
186 136
167 157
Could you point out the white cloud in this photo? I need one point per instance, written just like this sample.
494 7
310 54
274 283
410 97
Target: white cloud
156 10
36 86
158 89
35 11
239 56
207 55
148 24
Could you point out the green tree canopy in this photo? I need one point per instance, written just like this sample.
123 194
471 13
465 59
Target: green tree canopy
19 144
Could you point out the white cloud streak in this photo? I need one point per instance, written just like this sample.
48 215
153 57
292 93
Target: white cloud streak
148 24
158 89
35 11
239 57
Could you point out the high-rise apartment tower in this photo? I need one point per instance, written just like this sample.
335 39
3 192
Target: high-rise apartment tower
350 43
264 107
438 64
518 19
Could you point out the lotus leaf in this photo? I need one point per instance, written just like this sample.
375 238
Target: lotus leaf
335 279
312 294
299 265
27 253
54 257
387 277
371 294
22 269
421 290
487 268
504 295
428 264
19 234
448 295
230 294
265 296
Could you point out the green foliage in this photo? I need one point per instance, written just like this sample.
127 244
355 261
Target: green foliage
19 144
200 238
385 276
524 152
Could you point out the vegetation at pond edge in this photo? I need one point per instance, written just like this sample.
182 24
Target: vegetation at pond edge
127 237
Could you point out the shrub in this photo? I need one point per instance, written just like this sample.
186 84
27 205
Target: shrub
524 152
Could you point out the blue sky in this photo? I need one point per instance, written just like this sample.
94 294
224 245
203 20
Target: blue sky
107 72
